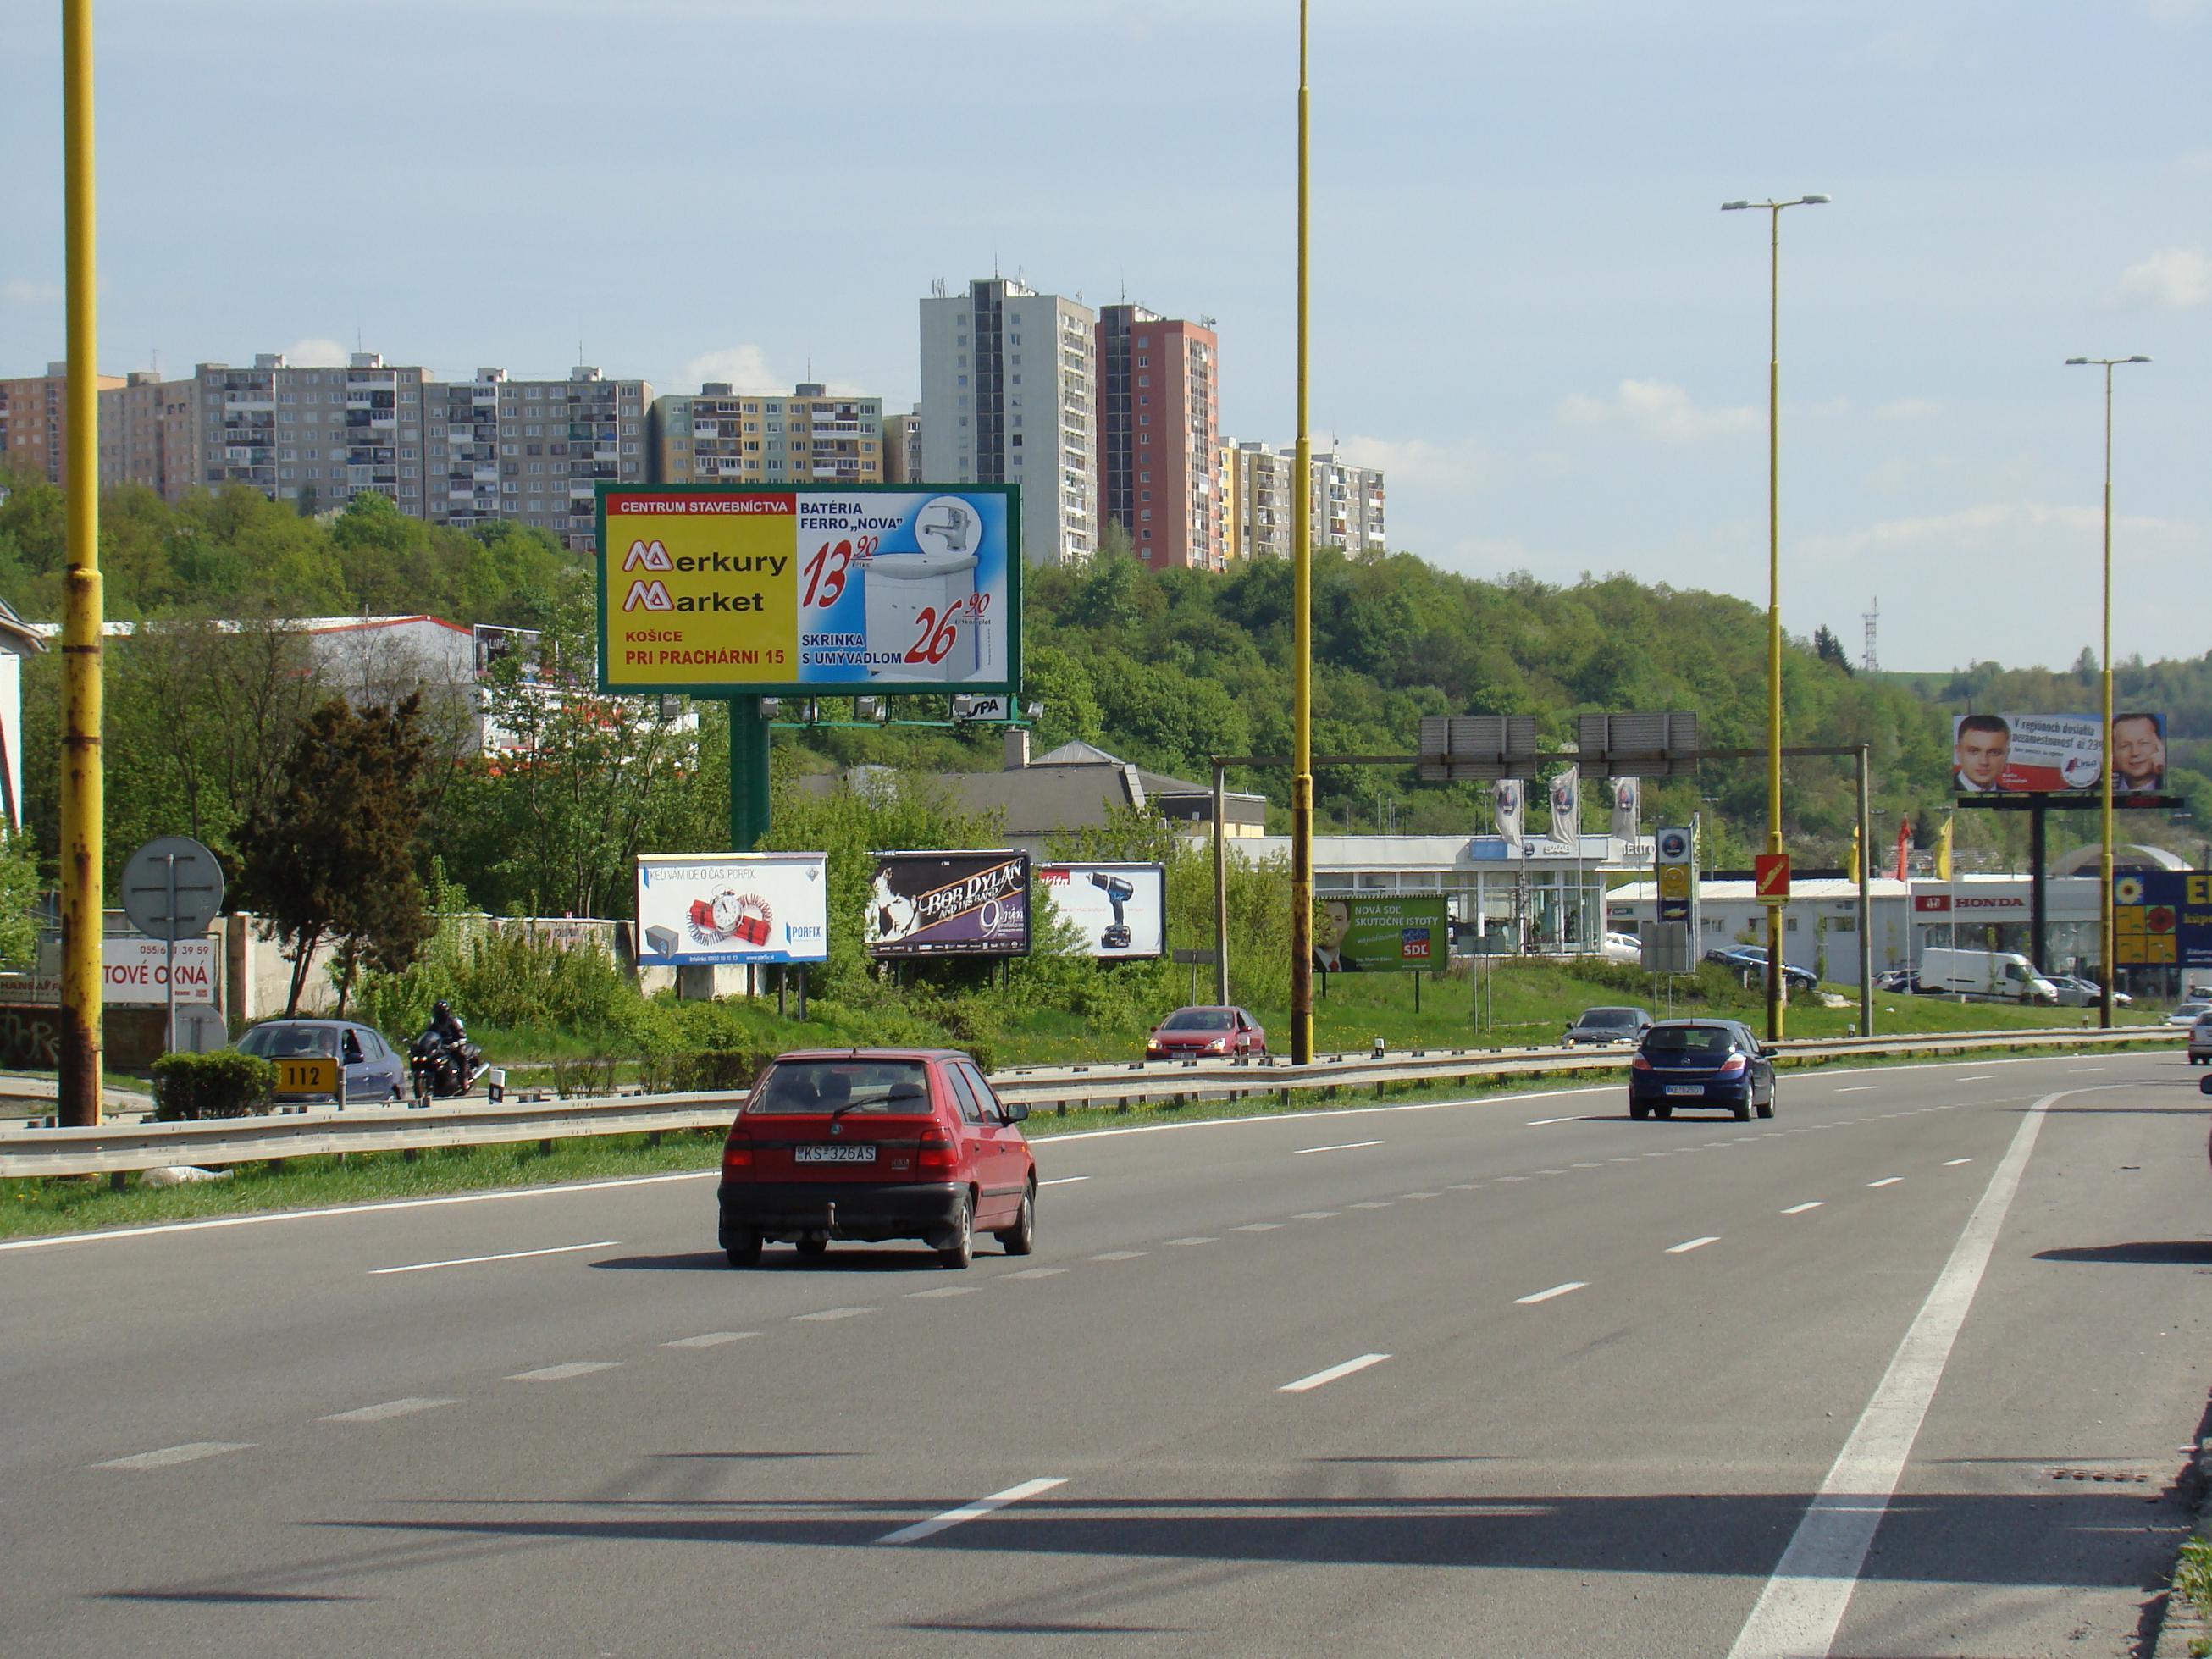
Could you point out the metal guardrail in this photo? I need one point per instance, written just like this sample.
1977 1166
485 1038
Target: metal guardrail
116 1147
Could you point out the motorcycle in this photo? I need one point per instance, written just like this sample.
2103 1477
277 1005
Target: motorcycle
442 1069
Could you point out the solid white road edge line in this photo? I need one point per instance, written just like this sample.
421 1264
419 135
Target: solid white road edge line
1802 1607
1340 1147
975 1512
504 1256
1321 1379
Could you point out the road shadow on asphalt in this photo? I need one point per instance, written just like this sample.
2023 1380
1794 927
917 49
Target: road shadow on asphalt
850 1259
2143 1253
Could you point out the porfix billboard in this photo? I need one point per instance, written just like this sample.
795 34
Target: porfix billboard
930 904
1120 909
837 590
2056 754
1401 932
732 908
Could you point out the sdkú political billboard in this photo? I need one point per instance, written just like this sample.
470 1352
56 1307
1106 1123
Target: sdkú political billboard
1118 910
2056 754
723 590
732 908
936 904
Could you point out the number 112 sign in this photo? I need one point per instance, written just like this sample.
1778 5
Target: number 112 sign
723 590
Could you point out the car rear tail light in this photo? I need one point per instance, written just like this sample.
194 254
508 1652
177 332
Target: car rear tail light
1640 1063
1732 1065
934 1152
736 1154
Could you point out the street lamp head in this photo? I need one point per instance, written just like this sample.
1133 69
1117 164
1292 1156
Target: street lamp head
1731 207
1814 201
2138 360
2077 362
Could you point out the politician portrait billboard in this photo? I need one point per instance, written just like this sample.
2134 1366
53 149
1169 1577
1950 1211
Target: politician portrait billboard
2010 754
935 904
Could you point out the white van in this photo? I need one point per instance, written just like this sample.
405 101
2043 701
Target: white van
1995 976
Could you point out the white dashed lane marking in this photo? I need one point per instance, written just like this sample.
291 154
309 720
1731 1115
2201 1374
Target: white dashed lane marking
1063 1180
505 1255
1035 1272
1800 1209
1690 1244
1953 1163
975 1512
389 1408
1119 1255
562 1373
1258 1227
946 1290
1557 1290
827 1313
1306 1384
1886 1180
191 1452
709 1339
1342 1146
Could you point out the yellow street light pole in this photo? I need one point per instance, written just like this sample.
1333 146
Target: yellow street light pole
2106 942
82 805
1302 785
1774 584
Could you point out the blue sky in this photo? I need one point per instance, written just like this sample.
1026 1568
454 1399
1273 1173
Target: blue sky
1526 305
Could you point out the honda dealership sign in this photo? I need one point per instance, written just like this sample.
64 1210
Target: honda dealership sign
732 908
1120 909
928 904
724 590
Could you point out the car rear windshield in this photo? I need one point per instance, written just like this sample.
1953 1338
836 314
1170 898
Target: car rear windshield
1608 1016
1687 1039
1196 1019
285 1041
891 1088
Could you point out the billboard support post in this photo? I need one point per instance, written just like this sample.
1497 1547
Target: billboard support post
1866 907
749 819
1220 887
2039 914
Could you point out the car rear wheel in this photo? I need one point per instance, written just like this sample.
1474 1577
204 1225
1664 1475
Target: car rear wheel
1662 1111
1766 1106
1638 1110
745 1252
961 1249
1742 1110
1021 1238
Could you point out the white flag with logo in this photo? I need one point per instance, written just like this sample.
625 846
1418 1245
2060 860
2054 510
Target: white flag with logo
1627 807
1567 807
1506 803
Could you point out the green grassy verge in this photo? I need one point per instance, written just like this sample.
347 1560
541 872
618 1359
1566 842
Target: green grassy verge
33 1208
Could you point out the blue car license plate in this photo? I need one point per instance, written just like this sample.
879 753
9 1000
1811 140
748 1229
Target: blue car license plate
1686 1088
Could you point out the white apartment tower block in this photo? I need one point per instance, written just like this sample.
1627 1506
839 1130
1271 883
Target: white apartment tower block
1008 396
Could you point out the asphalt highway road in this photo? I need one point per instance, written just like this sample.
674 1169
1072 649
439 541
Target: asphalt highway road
1512 1376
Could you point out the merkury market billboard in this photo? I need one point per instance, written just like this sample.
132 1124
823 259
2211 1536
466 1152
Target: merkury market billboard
723 590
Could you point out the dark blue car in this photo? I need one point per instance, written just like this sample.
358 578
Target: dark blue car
1703 1064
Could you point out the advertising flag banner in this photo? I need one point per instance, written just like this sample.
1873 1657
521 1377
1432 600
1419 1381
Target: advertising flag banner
931 904
1567 807
1508 804
1120 909
722 589
1399 933
1627 807
2056 754
727 908
1904 847
1943 848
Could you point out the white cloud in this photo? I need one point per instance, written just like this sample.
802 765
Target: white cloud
2176 278
742 367
316 353
20 293
1909 409
1658 409
1463 465
2195 161
2174 11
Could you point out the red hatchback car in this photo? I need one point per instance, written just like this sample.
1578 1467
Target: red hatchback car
1199 1033
875 1144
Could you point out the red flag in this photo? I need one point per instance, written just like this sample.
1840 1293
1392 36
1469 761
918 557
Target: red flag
1904 845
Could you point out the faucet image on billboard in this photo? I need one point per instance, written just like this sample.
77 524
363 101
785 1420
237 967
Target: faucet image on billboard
952 529
1118 893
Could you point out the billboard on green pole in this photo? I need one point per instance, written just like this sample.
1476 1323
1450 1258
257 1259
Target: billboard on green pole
1370 933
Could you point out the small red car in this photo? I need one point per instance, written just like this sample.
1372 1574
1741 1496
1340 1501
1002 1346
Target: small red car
875 1144
1200 1033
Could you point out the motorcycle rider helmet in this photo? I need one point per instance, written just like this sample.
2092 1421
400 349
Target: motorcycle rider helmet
441 1010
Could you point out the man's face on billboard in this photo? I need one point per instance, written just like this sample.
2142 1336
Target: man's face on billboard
1981 756
2136 753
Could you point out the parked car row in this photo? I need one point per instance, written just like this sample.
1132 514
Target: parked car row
1751 959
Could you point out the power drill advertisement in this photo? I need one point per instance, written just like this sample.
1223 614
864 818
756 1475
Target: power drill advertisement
1118 910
